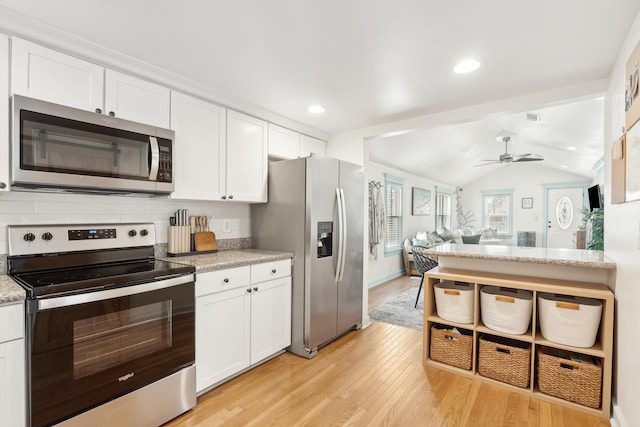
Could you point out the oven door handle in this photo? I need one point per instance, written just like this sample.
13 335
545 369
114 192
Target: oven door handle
65 301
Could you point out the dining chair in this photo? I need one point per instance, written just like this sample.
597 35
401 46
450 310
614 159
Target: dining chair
423 263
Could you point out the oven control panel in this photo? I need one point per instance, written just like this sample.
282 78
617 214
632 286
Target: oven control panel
42 239
92 233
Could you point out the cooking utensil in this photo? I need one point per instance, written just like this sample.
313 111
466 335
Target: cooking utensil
192 229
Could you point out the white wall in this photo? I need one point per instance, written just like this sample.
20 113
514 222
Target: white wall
526 179
382 268
43 208
621 227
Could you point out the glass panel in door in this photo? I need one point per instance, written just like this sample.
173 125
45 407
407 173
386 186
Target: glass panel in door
54 144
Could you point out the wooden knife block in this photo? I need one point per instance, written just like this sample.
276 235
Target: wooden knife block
205 241
178 239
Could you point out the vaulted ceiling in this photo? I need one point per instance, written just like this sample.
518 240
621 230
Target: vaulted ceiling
368 62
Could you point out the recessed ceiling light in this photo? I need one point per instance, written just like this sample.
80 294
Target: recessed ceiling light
564 166
316 109
466 66
571 148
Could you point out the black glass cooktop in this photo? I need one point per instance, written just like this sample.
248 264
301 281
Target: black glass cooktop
96 277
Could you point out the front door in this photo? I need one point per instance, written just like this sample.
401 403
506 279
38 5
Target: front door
563 216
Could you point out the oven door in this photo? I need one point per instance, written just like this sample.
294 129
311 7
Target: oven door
89 348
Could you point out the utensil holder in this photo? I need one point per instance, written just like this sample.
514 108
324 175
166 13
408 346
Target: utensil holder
178 239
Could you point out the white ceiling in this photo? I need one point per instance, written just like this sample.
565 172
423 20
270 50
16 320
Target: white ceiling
450 153
368 62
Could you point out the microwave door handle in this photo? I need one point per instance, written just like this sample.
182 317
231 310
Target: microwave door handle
155 158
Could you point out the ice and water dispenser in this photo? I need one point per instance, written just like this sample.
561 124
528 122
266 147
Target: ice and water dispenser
325 239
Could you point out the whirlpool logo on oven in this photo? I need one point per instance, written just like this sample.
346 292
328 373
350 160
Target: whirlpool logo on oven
125 377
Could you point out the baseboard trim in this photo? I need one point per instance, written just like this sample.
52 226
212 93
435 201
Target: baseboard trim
386 278
617 419
366 322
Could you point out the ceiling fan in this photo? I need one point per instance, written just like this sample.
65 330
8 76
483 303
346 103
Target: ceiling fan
511 158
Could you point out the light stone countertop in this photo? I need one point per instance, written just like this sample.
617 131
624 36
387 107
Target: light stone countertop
10 291
229 259
550 256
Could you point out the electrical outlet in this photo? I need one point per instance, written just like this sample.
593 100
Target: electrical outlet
226 226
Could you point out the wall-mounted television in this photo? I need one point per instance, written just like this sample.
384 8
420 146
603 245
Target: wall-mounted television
595 198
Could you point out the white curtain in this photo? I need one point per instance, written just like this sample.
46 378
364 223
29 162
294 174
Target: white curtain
376 217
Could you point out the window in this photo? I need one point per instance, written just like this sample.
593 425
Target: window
443 209
497 211
393 186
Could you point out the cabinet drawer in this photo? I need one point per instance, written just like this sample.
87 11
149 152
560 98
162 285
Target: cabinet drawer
270 270
222 280
12 321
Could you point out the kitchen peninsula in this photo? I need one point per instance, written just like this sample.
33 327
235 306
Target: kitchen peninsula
565 273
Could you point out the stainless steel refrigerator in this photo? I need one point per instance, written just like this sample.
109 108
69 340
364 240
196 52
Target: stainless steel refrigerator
316 211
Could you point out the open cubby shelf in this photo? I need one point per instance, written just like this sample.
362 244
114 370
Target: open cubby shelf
602 349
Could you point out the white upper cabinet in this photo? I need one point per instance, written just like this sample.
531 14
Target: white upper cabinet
4 113
199 150
137 100
287 144
310 145
283 143
42 73
247 158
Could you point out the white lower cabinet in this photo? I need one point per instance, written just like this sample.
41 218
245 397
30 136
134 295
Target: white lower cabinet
243 316
12 366
270 318
222 335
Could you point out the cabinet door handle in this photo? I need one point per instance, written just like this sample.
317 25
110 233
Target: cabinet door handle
249 290
225 280
273 271
230 196
255 289
99 110
224 197
112 113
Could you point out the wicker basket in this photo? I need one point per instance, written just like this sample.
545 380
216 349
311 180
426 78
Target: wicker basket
505 360
451 348
570 376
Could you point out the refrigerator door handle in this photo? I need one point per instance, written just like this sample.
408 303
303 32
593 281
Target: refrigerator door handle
343 235
339 239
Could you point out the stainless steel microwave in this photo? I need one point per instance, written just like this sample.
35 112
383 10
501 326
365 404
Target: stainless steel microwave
58 148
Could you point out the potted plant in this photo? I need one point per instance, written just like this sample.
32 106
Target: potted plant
595 221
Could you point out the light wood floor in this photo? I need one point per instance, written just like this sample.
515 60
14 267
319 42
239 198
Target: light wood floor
371 377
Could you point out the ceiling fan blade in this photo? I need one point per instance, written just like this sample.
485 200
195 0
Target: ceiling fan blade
489 162
528 157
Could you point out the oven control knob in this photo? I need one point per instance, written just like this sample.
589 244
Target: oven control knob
132 233
29 237
144 232
47 236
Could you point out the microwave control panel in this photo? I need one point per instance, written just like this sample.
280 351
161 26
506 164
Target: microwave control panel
166 164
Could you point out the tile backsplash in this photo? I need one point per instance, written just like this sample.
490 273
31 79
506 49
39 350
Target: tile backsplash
47 208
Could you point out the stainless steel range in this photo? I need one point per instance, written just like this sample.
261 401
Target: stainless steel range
110 330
